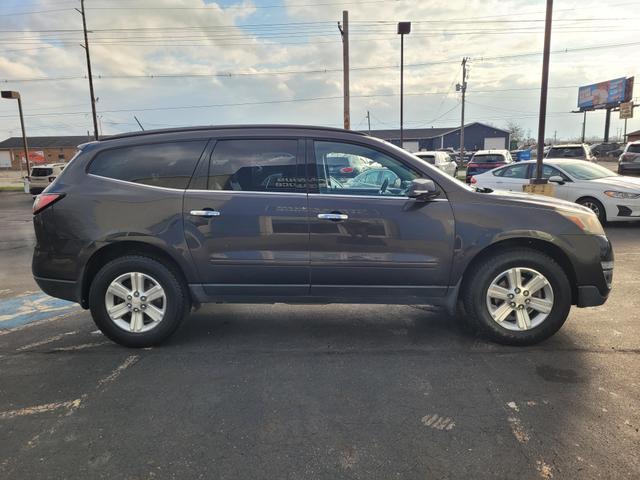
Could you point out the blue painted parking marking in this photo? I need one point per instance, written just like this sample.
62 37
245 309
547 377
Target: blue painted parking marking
24 309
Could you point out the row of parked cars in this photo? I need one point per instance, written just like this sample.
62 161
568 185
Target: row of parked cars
611 196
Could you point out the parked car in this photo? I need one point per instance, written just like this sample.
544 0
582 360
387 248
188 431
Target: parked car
344 167
612 197
629 161
42 175
578 151
441 160
605 149
485 160
142 227
380 178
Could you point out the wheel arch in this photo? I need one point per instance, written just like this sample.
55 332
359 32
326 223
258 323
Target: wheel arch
118 249
543 246
591 197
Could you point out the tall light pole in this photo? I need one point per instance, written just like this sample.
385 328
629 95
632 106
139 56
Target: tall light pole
16 96
404 28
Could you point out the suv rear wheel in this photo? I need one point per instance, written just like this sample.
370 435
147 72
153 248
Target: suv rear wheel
517 297
137 301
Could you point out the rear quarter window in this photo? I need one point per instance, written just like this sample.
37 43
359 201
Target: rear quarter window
167 165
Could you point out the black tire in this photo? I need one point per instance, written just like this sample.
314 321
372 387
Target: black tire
475 290
595 206
176 292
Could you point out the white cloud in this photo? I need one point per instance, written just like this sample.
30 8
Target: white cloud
199 38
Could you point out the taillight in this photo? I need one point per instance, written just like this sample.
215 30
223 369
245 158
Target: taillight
346 170
473 180
43 200
628 157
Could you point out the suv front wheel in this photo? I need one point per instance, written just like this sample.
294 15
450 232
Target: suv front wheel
137 301
517 297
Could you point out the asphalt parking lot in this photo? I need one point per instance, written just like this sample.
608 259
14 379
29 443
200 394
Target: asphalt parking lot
370 392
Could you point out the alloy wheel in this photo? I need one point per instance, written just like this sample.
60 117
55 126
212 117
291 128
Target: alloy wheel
519 299
135 302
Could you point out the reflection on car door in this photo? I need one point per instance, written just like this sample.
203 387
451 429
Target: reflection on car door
375 244
245 219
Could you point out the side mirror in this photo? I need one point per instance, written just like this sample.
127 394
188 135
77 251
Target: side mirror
557 179
423 189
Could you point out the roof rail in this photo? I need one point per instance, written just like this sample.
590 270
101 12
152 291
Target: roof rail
224 127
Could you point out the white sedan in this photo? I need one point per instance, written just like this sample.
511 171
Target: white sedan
612 197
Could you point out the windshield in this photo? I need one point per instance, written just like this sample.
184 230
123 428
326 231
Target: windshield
566 152
41 172
486 158
587 171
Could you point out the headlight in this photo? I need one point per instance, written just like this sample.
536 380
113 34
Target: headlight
587 221
614 194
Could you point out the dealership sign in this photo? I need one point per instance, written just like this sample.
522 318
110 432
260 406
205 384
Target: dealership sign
603 94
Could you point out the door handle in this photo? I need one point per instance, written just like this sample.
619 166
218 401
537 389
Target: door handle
333 216
205 213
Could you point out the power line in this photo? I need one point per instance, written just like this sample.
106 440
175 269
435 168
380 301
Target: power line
315 71
270 102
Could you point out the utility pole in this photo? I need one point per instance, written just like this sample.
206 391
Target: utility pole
369 122
404 28
462 87
607 125
543 93
344 31
86 49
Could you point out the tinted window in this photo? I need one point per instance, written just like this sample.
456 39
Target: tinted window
162 164
257 166
41 172
548 171
566 152
515 171
428 158
392 176
493 158
635 148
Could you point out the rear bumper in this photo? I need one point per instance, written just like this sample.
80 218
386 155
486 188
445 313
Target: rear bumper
65 289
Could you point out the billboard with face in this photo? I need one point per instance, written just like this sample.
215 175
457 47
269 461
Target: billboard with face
603 94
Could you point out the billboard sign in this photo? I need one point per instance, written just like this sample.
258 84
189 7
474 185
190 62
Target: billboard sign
600 95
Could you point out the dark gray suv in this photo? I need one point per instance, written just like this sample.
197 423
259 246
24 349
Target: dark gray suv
140 228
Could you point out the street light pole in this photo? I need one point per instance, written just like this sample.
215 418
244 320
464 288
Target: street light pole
404 28
16 96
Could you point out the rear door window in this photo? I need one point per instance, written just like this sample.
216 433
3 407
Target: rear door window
257 165
168 165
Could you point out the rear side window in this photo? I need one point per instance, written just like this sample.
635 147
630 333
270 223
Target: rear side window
516 171
635 148
260 165
167 165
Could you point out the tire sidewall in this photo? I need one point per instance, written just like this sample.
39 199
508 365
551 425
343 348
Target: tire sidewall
602 216
175 308
539 262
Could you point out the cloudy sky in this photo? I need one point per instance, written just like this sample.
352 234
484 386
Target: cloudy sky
197 62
